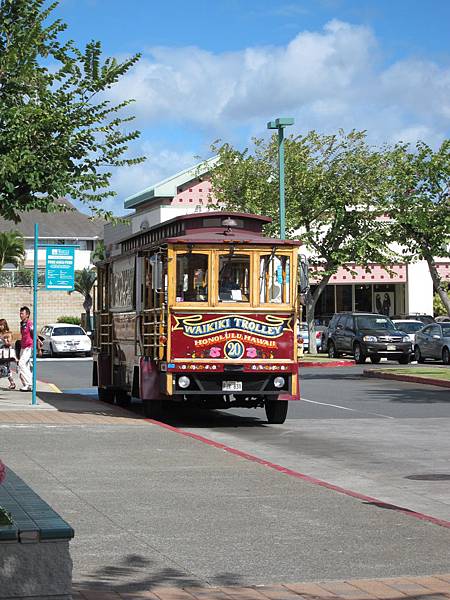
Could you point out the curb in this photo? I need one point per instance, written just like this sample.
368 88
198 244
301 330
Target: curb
407 378
328 363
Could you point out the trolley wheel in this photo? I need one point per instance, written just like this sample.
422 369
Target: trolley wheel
153 409
276 410
122 398
106 395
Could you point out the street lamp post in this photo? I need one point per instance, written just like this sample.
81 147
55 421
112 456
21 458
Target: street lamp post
280 124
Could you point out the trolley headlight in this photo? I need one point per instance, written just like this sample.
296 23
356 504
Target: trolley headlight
184 382
278 382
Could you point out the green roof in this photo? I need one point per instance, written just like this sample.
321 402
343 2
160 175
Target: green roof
167 188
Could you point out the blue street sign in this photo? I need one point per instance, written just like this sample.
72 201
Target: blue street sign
59 268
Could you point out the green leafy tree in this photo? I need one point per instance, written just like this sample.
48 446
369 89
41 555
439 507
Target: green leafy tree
84 283
59 135
99 253
420 208
335 190
12 249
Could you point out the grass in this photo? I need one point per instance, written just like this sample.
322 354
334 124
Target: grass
5 518
429 372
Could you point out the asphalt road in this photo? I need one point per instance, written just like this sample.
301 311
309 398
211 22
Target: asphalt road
385 439
152 506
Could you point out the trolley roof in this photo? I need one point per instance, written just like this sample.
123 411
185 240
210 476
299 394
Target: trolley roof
207 228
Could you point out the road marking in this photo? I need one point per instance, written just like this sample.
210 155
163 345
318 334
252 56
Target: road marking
364 412
65 359
307 478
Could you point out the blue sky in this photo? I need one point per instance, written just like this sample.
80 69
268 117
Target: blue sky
223 68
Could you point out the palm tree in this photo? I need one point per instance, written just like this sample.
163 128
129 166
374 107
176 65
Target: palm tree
12 248
84 282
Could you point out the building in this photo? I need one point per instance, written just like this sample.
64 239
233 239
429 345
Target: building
403 288
60 228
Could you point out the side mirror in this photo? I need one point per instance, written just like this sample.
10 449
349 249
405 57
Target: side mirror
436 337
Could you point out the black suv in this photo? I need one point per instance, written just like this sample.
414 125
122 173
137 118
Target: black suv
367 334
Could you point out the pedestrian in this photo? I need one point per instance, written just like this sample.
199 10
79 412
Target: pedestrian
26 349
6 340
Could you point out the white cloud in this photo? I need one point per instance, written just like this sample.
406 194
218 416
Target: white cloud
161 163
328 79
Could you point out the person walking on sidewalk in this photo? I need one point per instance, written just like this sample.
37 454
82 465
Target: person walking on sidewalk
6 340
26 349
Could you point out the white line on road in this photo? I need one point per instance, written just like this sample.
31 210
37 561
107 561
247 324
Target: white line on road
366 412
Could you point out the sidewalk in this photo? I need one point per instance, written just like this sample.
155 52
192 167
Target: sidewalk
436 587
17 400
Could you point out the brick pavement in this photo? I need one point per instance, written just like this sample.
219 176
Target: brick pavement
436 587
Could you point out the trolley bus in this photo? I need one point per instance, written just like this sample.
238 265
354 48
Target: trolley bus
200 310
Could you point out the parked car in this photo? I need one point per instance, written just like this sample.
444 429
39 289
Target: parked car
303 335
367 335
409 327
65 338
433 341
425 319
442 319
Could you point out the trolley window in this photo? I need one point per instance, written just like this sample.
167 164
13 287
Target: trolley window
192 277
234 278
274 279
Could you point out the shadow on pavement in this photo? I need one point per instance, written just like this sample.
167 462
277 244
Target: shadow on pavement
81 404
421 394
134 568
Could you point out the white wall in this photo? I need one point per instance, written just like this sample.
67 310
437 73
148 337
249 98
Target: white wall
419 289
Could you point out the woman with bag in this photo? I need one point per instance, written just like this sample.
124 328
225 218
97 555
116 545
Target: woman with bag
6 339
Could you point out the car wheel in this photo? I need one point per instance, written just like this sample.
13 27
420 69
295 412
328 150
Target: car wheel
418 355
375 359
53 354
404 360
332 352
359 355
446 356
276 411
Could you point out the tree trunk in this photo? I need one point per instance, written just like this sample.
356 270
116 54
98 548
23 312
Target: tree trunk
437 283
311 301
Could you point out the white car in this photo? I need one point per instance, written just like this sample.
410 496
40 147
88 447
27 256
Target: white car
409 327
65 338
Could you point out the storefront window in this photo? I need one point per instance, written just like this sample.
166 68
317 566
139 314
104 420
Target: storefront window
363 298
274 277
234 278
192 277
343 298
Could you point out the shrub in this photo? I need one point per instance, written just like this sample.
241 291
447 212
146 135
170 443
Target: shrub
71 320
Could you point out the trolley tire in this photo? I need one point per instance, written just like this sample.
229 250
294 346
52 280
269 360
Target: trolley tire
153 409
276 411
106 395
122 398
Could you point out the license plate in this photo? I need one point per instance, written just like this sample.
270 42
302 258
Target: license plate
391 347
232 386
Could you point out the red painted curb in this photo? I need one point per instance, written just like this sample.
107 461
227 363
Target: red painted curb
302 476
330 363
410 378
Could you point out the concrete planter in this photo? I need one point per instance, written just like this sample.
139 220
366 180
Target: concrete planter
35 561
